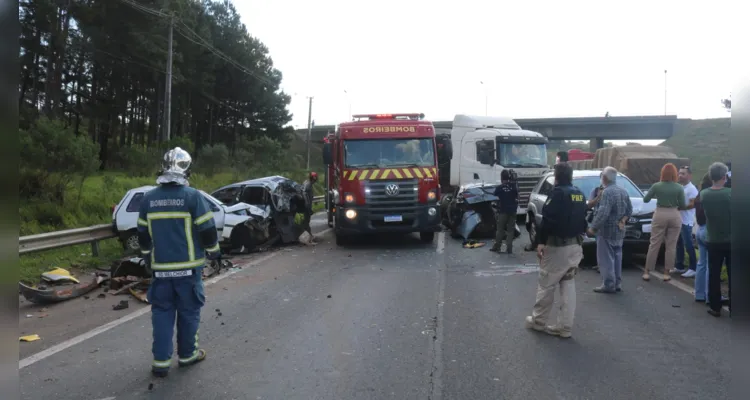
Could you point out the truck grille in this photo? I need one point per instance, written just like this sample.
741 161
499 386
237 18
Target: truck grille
381 204
525 185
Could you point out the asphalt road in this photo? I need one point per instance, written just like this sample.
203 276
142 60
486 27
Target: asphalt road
392 318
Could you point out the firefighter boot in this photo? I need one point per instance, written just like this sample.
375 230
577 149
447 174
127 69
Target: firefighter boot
199 356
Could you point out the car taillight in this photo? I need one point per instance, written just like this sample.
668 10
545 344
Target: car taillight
113 208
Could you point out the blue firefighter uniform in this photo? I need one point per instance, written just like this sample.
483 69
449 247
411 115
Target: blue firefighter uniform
176 232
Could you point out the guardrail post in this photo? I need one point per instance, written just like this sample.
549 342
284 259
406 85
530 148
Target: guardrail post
95 248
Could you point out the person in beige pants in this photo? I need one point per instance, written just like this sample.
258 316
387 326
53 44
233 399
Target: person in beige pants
666 223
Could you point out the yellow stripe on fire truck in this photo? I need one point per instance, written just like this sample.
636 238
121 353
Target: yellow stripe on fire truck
390 173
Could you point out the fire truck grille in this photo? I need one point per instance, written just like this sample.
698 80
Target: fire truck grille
525 185
382 201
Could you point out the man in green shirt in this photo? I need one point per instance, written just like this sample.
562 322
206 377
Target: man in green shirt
717 201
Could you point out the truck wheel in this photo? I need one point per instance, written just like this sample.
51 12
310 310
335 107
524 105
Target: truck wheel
427 237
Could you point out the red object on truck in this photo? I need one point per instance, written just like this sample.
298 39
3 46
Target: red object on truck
382 176
578 155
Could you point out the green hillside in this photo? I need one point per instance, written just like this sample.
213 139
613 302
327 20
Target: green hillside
703 141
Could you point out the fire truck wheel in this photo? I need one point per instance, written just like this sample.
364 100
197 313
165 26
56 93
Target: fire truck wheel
341 239
427 237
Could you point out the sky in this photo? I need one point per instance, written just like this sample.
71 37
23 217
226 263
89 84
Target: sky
520 59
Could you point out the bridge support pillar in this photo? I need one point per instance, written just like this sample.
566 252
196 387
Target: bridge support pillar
596 144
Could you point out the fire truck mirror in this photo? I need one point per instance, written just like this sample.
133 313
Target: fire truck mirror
327 159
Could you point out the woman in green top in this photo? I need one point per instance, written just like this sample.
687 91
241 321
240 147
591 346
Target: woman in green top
666 223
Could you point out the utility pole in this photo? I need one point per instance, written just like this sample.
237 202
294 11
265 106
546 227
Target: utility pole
168 88
486 96
665 92
309 131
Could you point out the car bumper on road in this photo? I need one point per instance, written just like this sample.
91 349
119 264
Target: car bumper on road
419 219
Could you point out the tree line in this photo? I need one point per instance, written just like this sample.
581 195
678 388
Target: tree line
93 76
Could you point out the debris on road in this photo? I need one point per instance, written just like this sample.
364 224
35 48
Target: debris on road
473 244
329 296
58 285
30 338
101 296
121 306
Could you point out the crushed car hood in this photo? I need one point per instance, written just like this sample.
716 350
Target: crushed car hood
641 208
251 209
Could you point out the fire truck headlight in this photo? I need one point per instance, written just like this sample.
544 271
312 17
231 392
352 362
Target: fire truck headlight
431 195
348 197
351 214
432 211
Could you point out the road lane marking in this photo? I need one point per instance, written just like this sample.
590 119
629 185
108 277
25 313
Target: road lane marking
676 283
440 243
106 327
436 383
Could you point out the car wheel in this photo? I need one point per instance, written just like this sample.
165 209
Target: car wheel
427 237
130 240
240 237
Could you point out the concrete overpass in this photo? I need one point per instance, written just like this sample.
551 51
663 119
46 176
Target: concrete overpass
594 129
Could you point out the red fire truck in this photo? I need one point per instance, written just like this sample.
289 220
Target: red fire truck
382 176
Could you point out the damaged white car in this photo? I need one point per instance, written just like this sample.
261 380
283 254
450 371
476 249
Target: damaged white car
233 223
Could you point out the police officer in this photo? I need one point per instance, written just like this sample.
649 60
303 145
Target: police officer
308 191
176 232
559 251
507 193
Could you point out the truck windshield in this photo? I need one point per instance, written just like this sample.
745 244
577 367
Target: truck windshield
382 153
517 155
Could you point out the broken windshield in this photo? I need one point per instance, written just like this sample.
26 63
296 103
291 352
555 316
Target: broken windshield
382 153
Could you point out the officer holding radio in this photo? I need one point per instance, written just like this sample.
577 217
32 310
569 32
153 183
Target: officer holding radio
176 232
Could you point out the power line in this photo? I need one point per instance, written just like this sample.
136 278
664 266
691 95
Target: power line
198 40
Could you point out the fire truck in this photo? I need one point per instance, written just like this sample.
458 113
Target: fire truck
382 176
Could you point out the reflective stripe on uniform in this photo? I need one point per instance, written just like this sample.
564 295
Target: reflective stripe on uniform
178 265
145 252
213 248
142 222
203 218
196 352
162 364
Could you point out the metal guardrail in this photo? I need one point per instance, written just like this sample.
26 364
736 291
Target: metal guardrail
72 237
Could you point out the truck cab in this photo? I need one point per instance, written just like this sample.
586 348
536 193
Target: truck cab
484 146
382 176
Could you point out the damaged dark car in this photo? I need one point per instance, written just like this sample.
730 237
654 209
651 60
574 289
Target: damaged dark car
469 212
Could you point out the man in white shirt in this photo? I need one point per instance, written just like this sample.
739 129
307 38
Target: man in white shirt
685 243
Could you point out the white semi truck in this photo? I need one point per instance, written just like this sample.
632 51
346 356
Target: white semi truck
482 147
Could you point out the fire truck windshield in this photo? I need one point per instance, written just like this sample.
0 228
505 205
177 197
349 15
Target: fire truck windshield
517 155
382 153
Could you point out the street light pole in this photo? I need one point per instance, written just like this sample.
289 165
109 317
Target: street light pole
348 100
665 92
309 131
485 97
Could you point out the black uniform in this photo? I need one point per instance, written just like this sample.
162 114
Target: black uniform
505 218
563 215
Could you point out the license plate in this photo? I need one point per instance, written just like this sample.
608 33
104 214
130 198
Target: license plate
173 274
646 228
393 218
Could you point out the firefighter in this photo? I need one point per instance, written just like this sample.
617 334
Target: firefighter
559 251
176 233
308 189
